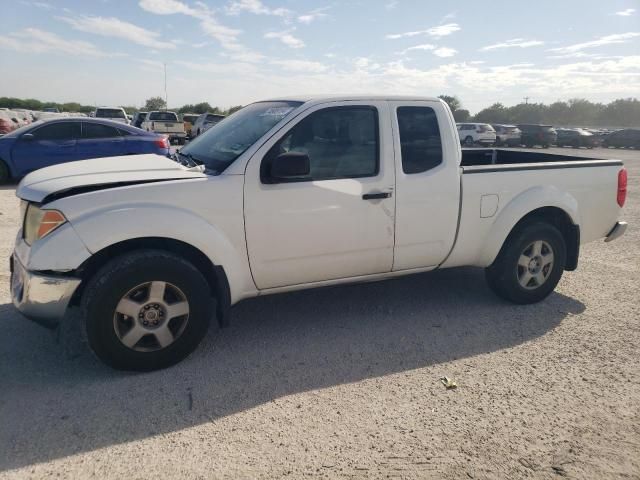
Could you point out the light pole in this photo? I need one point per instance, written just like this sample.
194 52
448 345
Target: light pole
166 98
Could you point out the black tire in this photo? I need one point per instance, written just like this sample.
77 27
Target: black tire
112 283
504 275
4 173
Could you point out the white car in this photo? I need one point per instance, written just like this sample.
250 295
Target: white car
476 133
165 123
117 114
508 135
293 194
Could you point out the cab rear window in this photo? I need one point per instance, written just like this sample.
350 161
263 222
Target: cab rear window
109 113
163 116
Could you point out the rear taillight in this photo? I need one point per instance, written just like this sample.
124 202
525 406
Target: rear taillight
161 142
622 187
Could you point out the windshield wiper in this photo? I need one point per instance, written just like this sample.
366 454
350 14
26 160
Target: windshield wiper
193 162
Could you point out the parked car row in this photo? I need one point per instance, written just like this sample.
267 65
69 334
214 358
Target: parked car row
530 135
65 139
162 121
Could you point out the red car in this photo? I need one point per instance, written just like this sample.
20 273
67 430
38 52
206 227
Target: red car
7 125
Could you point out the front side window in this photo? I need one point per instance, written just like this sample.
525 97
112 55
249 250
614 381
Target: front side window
420 143
341 142
58 131
97 130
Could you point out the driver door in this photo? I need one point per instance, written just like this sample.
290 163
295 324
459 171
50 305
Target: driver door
338 221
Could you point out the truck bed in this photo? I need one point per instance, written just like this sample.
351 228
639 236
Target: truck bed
499 184
473 157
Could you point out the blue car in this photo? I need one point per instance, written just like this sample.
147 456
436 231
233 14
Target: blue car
50 142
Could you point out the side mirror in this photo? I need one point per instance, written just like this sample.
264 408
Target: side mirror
290 166
28 137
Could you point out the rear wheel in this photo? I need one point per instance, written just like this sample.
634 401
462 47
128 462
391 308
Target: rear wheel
146 310
4 173
530 264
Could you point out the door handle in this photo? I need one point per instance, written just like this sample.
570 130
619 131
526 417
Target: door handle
376 196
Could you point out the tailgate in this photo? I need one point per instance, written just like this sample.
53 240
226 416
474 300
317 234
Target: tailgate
161 126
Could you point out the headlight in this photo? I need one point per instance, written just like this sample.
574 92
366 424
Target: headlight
39 223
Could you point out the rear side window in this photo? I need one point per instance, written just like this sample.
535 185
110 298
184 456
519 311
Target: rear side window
341 142
97 130
420 142
163 116
58 131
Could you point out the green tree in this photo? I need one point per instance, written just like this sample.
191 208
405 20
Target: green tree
461 115
496 113
155 103
452 101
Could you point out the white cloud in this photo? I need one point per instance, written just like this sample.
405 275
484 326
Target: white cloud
304 66
443 30
256 7
626 13
114 27
313 15
226 36
33 40
167 7
423 47
286 38
445 52
435 32
606 40
514 43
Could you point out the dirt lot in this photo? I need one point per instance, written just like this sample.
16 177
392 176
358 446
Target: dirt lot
344 382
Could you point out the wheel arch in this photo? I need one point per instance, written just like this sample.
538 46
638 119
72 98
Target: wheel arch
215 275
560 210
562 221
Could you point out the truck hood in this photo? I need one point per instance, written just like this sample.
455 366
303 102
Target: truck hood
89 175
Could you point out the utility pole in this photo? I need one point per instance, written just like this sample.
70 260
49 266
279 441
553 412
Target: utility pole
526 100
166 98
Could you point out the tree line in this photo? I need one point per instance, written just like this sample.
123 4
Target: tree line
154 103
623 112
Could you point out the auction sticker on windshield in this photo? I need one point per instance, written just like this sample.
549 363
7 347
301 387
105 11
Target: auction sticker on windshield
276 112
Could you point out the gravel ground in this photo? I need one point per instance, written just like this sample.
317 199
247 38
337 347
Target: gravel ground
344 383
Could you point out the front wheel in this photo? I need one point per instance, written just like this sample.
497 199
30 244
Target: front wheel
530 264
146 310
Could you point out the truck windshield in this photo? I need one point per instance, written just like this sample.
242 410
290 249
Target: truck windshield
219 146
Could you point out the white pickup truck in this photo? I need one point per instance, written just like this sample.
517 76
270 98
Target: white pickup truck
293 194
165 123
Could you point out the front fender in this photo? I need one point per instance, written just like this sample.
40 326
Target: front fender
522 204
103 228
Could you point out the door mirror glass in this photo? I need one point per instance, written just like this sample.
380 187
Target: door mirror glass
290 166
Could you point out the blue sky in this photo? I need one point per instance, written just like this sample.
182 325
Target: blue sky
228 52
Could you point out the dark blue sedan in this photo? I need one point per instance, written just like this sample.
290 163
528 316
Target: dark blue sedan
50 142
